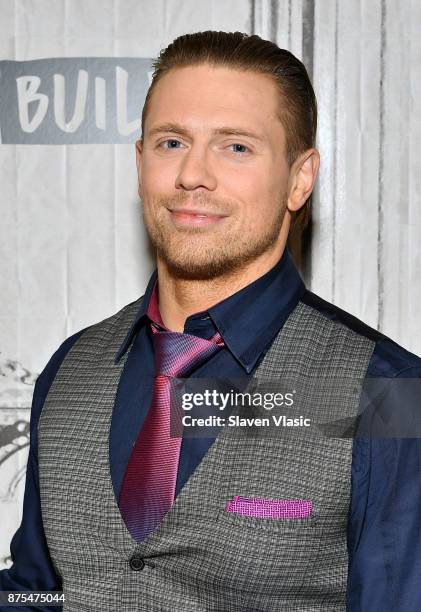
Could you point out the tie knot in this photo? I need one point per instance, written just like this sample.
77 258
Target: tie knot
178 354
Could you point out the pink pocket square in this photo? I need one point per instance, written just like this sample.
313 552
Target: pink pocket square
261 507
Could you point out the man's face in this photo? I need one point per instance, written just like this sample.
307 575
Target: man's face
212 169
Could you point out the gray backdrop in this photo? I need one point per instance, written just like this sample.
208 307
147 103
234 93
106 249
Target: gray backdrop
73 75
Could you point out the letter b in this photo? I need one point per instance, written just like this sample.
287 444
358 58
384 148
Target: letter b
27 92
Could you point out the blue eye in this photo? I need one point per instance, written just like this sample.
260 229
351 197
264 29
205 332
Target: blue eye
237 145
171 141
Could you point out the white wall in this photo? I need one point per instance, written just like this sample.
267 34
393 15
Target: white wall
72 248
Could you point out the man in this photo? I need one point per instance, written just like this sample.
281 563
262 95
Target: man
121 515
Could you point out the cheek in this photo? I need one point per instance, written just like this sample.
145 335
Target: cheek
251 182
156 177
255 194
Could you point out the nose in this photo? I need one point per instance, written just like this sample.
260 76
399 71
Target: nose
195 171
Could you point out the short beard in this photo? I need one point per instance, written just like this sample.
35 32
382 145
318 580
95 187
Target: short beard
227 255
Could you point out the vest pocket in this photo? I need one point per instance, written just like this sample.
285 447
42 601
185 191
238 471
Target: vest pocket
258 556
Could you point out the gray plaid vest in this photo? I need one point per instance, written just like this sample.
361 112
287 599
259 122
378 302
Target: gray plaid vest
202 558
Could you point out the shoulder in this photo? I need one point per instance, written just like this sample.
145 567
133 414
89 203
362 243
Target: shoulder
111 331
389 359
46 378
50 370
48 374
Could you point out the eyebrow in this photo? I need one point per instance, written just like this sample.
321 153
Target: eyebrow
175 128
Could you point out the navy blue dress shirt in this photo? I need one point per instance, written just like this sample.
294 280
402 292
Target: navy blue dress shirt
384 528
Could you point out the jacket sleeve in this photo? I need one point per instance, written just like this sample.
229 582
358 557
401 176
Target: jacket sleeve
32 568
385 519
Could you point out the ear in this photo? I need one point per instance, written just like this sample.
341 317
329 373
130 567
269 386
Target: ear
139 146
303 175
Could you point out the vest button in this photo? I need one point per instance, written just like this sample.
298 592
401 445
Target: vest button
136 562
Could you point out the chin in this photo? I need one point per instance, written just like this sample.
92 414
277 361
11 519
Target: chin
194 269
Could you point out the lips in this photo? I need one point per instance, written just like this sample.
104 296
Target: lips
195 212
193 217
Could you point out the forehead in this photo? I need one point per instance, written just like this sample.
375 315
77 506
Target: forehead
206 96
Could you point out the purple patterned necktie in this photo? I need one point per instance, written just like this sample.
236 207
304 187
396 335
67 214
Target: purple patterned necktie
148 487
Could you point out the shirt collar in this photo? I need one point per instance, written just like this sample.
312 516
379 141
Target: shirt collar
247 320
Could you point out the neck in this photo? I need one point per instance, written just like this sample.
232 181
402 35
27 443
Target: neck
179 298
